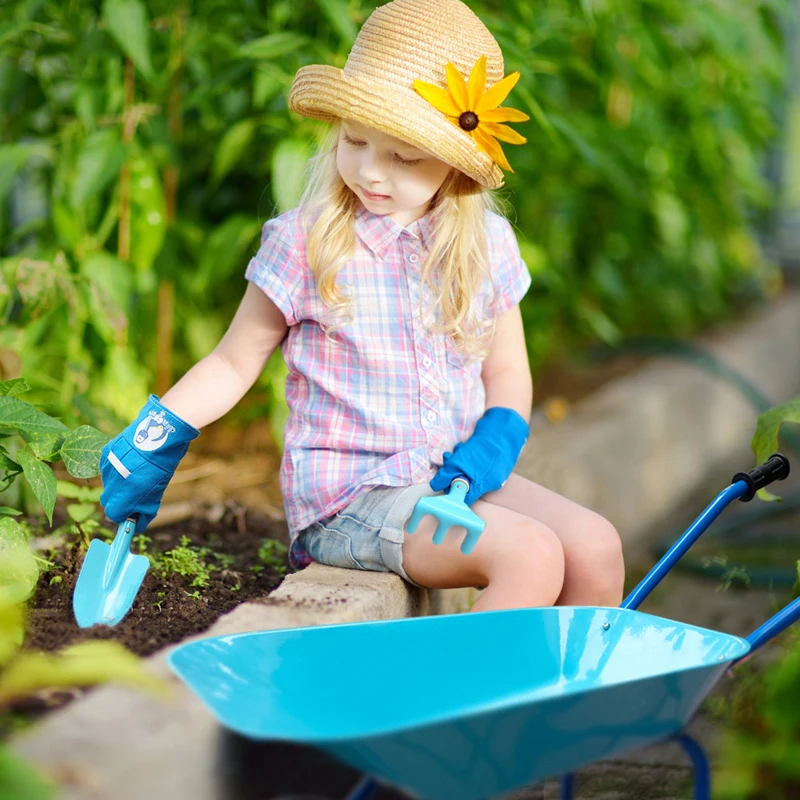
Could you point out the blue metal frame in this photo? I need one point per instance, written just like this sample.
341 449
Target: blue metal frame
676 552
771 628
702 772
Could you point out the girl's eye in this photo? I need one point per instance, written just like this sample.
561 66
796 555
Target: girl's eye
407 163
397 157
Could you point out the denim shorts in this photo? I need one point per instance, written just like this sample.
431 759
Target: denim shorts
367 534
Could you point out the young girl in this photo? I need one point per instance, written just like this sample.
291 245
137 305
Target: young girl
393 291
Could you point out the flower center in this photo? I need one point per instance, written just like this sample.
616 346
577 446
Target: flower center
468 120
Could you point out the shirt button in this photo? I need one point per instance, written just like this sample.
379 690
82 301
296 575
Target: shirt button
426 362
413 258
431 416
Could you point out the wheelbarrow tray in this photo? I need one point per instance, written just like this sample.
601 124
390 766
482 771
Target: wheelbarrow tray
465 706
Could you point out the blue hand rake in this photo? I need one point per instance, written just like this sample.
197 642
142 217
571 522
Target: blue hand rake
450 509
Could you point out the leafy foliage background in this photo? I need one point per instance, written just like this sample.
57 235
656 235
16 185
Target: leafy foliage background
143 143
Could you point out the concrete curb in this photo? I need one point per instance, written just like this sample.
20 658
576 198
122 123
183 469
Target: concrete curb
632 451
643 443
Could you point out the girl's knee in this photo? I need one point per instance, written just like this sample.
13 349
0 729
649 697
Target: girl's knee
532 552
603 566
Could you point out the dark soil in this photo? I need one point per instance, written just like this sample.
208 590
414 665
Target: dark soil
164 612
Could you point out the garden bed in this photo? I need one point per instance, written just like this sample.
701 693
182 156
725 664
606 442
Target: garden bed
204 566
214 561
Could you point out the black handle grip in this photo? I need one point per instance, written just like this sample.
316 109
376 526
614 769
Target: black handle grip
775 468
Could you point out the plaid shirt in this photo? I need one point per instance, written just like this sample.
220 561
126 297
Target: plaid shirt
379 404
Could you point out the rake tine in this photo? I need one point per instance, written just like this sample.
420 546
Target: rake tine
414 520
471 539
440 532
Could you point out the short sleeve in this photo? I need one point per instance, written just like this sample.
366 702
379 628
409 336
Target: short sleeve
276 269
511 277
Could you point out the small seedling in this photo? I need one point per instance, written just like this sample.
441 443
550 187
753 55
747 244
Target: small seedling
225 561
187 560
272 553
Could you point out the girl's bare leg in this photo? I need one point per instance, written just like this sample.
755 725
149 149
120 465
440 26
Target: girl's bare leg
519 560
594 571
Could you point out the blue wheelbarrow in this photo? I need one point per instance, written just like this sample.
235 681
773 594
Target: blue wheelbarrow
473 706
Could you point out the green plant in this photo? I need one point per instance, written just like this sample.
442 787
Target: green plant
761 753
31 440
189 561
24 672
145 144
272 553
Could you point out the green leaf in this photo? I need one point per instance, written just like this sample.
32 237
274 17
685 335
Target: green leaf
84 664
272 46
7 511
37 287
14 387
112 285
99 162
289 159
7 464
765 439
80 512
340 18
19 780
223 249
44 434
19 571
129 24
42 480
12 159
81 493
231 148
12 629
148 212
81 451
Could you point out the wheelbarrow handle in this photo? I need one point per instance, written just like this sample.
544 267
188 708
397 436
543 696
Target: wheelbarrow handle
743 487
775 468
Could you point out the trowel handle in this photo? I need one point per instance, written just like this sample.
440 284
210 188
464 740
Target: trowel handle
120 548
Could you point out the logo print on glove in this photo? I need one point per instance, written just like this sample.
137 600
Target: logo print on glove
152 432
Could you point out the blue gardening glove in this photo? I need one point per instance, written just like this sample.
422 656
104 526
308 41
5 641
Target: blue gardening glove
137 465
488 457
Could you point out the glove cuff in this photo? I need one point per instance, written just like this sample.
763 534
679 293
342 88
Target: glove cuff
506 424
158 428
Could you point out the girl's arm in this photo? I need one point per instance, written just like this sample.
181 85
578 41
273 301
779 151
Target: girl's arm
214 385
506 371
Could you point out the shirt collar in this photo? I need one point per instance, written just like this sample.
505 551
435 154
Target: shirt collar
380 232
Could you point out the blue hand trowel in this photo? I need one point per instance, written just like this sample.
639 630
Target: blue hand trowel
109 579
449 509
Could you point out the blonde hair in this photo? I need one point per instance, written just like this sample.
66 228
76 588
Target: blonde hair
457 263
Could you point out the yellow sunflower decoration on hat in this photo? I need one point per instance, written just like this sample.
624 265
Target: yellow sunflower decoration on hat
476 110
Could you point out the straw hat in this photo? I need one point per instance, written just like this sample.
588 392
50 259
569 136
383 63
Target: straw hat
410 47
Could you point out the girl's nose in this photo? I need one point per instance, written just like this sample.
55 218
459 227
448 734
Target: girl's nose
371 168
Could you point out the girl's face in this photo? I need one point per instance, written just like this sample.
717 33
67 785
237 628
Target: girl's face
387 174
